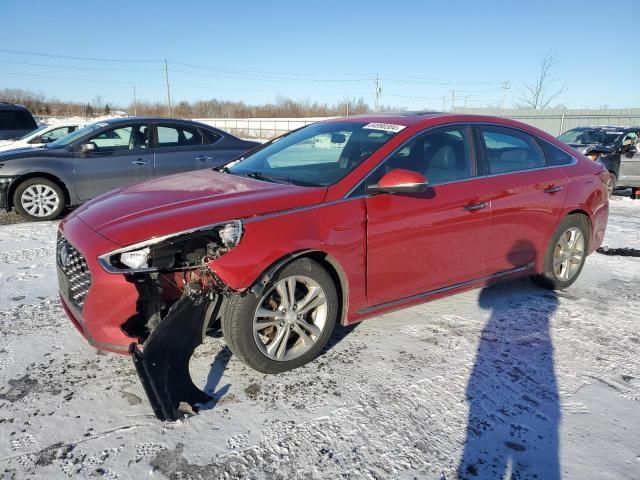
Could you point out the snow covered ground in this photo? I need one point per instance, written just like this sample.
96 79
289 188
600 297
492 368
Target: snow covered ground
510 378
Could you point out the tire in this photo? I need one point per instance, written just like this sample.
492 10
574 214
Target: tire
611 184
566 254
261 350
39 199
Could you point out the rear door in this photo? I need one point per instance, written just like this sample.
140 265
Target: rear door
630 161
420 242
526 200
121 157
180 148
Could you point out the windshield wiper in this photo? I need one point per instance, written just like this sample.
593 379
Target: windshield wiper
267 178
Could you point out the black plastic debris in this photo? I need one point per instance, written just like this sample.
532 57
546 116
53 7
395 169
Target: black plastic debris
622 252
162 362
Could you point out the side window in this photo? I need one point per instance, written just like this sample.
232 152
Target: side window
123 138
442 155
630 138
209 136
555 155
178 136
509 150
55 134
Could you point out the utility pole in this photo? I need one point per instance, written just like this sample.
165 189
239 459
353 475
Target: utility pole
135 102
505 86
377 92
466 97
453 99
444 99
166 76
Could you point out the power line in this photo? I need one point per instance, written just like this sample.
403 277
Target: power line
25 74
272 79
72 67
70 57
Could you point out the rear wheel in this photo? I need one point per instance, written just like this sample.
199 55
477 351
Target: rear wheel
566 253
288 324
39 199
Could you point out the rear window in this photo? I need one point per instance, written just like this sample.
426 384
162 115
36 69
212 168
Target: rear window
16 120
555 155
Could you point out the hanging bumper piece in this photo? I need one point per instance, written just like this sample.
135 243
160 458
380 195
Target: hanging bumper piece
162 361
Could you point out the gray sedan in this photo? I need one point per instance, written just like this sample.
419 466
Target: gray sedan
39 183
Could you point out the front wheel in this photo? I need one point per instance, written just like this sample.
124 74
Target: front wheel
611 183
288 324
566 253
39 199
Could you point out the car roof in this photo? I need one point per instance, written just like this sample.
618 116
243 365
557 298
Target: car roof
603 127
116 120
11 106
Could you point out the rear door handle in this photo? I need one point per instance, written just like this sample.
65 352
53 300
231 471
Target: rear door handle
552 189
476 206
140 161
203 158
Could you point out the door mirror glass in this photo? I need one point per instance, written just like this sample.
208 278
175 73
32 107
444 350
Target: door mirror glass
400 180
87 147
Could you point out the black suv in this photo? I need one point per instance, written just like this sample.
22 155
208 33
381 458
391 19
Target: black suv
15 121
617 148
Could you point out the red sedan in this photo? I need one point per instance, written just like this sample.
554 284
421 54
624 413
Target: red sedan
336 222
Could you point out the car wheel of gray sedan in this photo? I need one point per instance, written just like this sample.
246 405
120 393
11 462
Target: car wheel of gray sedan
39 199
566 253
286 325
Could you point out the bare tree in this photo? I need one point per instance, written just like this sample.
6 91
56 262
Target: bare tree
545 89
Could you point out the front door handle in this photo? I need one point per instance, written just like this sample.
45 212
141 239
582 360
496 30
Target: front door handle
476 206
552 189
203 158
140 161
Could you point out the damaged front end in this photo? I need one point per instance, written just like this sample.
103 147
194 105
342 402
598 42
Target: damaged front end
179 300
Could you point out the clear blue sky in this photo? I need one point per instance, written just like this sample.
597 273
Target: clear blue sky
323 50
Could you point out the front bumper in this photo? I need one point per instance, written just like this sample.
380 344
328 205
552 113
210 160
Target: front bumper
110 300
4 192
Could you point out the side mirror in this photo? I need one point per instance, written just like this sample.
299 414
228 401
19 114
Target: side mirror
400 180
87 147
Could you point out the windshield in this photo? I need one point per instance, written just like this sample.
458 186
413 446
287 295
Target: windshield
590 136
72 137
33 132
318 155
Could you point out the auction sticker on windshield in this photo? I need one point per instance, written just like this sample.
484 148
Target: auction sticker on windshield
387 127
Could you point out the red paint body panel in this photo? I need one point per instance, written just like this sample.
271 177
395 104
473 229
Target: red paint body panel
422 241
384 247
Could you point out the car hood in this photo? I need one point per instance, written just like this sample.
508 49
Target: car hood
25 152
594 147
186 201
5 143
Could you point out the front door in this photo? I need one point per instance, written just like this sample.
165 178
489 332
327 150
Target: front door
630 161
424 241
120 157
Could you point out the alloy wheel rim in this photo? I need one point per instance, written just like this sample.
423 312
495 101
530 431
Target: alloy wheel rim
569 254
290 318
40 200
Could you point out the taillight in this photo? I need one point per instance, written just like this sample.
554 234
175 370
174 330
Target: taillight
593 156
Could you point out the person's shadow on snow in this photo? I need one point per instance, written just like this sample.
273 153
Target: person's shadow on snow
514 410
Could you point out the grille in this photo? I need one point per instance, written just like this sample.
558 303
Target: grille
74 268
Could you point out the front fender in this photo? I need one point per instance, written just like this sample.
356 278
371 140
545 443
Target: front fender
336 229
